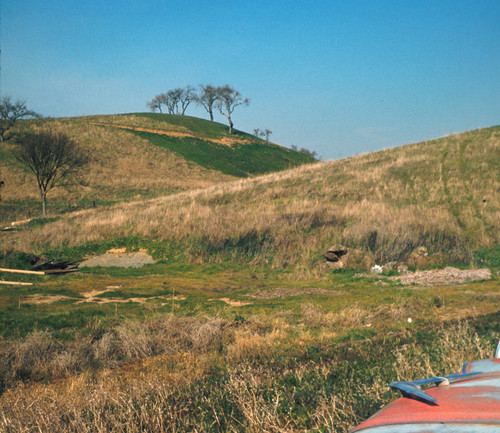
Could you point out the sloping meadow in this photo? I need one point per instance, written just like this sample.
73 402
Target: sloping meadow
441 195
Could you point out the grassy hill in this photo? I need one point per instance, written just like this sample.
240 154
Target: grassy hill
241 326
140 156
440 194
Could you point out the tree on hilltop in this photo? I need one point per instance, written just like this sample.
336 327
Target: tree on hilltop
228 99
53 158
265 134
186 96
10 113
207 98
156 102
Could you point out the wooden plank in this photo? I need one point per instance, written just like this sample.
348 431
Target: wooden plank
21 271
15 283
60 271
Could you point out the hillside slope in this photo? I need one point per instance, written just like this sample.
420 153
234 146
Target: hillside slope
442 195
140 155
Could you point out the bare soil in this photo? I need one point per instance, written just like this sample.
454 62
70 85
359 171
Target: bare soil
284 292
231 303
121 259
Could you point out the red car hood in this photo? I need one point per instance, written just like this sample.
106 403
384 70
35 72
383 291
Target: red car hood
471 404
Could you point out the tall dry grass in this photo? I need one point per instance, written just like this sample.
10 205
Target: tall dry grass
215 391
386 204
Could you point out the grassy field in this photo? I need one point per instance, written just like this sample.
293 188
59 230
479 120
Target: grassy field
441 195
240 325
178 347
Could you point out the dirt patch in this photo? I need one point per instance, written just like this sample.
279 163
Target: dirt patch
284 292
444 276
93 296
117 250
121 260
231 303
45 299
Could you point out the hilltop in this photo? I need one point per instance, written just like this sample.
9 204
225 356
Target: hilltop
140 155
440 195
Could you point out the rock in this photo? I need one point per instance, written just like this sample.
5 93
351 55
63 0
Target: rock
339 257
331 257
338 250
376 269
335 252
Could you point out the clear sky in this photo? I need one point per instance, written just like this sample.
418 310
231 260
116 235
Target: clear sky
338 77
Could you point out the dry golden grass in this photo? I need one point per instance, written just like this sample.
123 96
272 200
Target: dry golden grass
122 166
175 393
386 203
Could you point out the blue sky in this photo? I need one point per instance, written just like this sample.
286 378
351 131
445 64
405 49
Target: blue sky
337 77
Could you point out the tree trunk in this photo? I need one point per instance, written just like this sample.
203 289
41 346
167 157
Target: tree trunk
230 125
211 115
43 196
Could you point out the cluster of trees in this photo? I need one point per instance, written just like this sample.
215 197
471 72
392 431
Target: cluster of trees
264 134
176 100
222 98
311 153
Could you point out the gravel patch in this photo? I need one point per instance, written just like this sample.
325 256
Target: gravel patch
444 276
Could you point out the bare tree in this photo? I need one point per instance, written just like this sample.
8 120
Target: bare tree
53 159
228 99
187 96
265 134
171 100
155 103
10 113
207 98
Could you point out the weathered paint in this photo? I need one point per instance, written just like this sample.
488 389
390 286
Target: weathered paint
433 428
483 366
471 405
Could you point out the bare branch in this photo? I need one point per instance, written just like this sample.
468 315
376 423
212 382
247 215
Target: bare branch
10 113
53 159
207 98
228 99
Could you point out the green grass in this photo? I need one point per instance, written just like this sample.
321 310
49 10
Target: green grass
489 257
199 127
305 353
240 160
